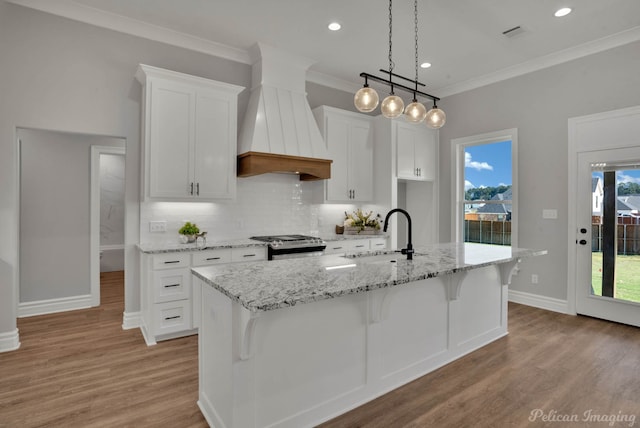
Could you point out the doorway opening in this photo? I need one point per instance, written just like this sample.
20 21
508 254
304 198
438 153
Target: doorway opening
56 255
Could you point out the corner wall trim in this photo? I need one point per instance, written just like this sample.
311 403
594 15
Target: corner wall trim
42 307
537 301
9 341
131 320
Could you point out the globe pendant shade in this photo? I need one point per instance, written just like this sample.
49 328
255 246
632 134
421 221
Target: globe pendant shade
435 118
415 112
366 99
392 106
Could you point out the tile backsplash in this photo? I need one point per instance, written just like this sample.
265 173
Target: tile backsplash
265 204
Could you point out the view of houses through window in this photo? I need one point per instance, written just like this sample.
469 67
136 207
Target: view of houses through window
488 193
626 271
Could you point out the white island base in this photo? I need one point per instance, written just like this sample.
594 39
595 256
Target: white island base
303 365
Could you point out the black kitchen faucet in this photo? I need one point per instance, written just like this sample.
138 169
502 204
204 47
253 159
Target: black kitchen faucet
409 250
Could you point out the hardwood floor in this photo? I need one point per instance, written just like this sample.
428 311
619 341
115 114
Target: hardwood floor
80 369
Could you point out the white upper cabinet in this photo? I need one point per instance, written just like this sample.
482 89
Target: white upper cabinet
416 151
349 139
189 136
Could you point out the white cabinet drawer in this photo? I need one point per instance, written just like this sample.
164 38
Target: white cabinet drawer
171 317
248 254
211 257
338 247
378 243
174 284
171 260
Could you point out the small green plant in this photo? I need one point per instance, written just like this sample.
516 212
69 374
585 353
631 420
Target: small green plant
189 229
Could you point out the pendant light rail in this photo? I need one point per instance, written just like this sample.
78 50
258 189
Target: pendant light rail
398 85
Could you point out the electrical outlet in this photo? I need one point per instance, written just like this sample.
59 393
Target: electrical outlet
157 226
534 278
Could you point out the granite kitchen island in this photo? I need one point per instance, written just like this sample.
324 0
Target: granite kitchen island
295 342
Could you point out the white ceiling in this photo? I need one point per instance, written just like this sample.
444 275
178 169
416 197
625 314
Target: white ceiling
461 38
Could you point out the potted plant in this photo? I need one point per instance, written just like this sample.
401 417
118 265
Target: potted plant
190 231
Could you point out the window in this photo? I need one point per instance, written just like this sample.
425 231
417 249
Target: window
484 188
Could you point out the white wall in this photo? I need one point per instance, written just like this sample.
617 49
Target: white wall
539 104
59 74
63 75
54 213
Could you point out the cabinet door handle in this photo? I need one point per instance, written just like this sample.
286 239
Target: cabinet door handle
249 255
172 318
197 189
213 258
191 191
172 261
171 285
354 194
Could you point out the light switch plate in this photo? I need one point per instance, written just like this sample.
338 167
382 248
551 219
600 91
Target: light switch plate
550 213
157 226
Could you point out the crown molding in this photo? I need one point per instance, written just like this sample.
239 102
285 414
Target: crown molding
331 81
619 39
72 10
77 12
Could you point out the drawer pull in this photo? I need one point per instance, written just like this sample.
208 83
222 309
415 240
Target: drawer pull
359 246
336 248
249 255
172 261
213 258
172 318
172 285
379 245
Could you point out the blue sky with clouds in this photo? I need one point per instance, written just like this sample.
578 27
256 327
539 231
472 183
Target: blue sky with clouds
489 165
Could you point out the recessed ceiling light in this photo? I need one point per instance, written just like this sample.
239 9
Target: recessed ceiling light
334 26
562 12
425 65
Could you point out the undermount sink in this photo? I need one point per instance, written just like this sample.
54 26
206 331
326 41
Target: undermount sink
384 257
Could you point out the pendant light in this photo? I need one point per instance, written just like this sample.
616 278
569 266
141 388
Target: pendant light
415 112
435 117
366 99
392 106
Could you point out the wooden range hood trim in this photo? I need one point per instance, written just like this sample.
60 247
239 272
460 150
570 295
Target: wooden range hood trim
309 169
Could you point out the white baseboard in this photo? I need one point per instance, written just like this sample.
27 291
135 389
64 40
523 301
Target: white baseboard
42 307
538 301
9 341
131 320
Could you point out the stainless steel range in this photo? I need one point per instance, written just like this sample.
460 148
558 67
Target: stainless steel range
291 246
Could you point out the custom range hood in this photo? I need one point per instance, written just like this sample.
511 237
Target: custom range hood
279 132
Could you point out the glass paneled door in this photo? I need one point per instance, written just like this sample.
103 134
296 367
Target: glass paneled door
608 235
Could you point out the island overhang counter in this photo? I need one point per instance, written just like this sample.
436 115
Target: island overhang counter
295 342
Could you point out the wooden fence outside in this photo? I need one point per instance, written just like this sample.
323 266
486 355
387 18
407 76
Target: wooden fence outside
628 239
487 232
499 233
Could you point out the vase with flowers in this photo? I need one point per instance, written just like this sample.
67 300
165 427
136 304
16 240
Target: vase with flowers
361 223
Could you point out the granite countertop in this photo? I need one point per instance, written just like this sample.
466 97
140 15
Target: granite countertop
171 247
268 285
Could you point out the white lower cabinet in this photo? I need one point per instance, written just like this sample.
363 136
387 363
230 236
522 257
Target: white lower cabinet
170 300
353 245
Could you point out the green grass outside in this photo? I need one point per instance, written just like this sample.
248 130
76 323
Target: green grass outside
627 286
